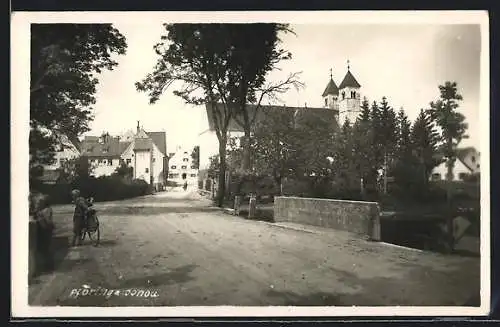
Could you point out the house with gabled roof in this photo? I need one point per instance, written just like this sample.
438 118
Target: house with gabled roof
66 149
145 152
467 163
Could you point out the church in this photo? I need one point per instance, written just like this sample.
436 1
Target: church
345 99
340 103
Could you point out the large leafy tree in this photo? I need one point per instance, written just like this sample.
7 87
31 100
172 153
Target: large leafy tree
256 52
314 143
223 64
66 60
275 147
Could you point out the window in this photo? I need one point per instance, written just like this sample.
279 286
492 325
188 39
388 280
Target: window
473 159
129 161
173 167
436 177
477 166
343 95
110 162
154 159
104 161
184 167
92 160
193 175
185 153
99 161
147 170
353 94
326 102
193 167
173 175
185 159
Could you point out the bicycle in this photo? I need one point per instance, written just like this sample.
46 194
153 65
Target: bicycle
91 227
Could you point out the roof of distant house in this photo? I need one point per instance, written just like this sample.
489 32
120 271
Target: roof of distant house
462 153
349 81
142 144
94 146
265 110
111 146
159 139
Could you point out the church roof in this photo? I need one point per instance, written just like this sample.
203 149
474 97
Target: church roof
349 81
331 88
301 114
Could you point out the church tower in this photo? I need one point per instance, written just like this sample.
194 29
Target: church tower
349 98
331 95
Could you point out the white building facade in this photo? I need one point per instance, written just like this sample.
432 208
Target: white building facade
181 167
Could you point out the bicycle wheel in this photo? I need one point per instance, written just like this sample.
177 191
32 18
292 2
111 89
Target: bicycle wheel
95 234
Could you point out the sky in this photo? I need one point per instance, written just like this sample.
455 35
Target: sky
404 63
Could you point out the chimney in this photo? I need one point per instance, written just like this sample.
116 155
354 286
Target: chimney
138 127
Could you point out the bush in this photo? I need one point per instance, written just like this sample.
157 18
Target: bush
245 184
104 188
57 193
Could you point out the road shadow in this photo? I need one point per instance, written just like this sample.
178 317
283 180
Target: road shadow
175 276
264 214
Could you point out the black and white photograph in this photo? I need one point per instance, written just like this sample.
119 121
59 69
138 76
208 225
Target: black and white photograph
250 164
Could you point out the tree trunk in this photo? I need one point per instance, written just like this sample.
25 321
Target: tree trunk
246 162
221 187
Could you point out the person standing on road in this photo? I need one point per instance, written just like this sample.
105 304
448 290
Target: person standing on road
79 216
45 227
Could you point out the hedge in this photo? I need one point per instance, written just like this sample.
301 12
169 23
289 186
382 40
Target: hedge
104 188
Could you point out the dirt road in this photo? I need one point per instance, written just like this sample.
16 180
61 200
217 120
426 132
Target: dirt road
178 250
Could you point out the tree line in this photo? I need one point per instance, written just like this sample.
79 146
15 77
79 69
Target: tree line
362 156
